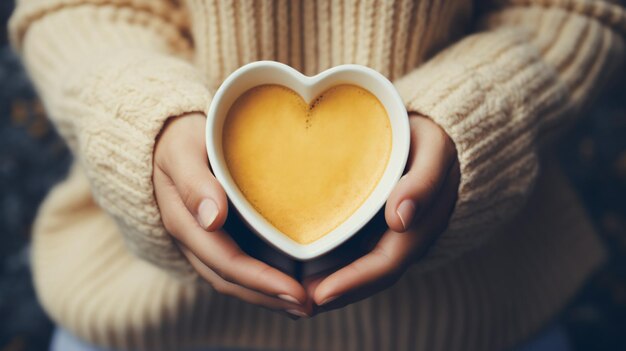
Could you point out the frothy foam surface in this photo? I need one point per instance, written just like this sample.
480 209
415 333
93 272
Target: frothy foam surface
306 168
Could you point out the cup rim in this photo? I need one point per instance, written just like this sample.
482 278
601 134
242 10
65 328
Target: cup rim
308 87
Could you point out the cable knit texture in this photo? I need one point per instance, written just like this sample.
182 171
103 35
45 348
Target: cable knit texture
496 77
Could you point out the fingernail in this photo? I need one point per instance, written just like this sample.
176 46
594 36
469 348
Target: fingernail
328 300
405 211
298 313
207 212
288 298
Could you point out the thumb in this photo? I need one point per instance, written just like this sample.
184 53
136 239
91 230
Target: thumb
202 195
431 157
188 168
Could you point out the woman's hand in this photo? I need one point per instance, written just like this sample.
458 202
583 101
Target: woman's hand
416 212
193 207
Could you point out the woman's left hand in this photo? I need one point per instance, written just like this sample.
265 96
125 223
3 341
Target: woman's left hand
417 211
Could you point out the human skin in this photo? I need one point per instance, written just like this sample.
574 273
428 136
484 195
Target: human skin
194 207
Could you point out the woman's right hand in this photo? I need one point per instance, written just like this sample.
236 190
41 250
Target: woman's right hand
193 208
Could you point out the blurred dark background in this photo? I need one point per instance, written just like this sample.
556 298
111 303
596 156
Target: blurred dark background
33 158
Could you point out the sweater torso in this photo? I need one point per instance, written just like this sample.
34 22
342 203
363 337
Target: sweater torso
393 37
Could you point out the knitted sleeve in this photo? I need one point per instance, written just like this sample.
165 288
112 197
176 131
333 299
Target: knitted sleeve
531 67
110 74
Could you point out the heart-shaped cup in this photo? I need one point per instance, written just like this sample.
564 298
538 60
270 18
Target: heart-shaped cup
270 72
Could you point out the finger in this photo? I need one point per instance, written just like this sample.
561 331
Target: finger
349 297
219 252
432 154
186 163
382 265
240 292
393 253
310 284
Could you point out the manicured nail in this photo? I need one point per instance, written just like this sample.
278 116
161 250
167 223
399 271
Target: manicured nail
298 313
288 298
328 300
405 211
207 212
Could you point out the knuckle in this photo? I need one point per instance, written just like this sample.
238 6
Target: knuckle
356 268
386 261
235 260
423 185
224 275
186 193
188 190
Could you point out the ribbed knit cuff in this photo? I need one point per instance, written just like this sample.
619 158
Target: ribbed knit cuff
473 108
129 99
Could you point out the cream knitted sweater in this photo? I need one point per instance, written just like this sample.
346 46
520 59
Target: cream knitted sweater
111 72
